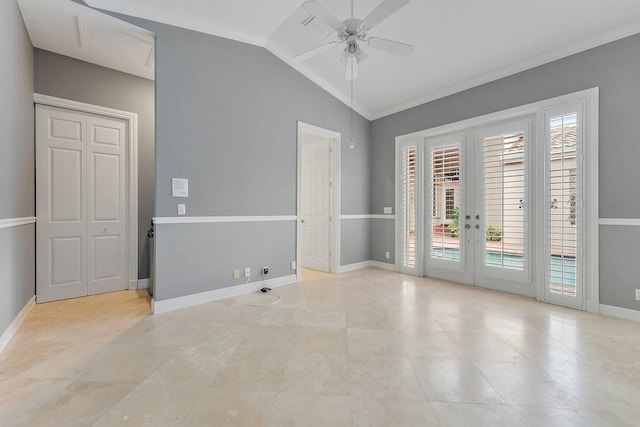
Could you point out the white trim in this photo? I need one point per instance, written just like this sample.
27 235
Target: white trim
366 264
132 125
504 115
15 222
620 313
13 326
172 304
368 216
144 283
633 222
353 267
382 265
580 46
212 219
590 98
335 177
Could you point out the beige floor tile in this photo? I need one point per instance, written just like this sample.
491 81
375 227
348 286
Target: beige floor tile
437 345
251 370
486 346
236 408
415 352
453 380
383 377
293 410
367 319
375 342
320 340
59 403
316 373
477 415
545 417
190 366
370 412
152 405
325 319
269 338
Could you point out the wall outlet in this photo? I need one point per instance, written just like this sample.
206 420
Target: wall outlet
182 209
247 272
637 294
387 255
236 274
265 270
293 265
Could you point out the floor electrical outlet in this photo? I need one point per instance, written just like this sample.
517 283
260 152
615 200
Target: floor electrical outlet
247 272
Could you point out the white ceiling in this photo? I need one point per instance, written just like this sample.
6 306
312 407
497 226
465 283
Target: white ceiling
77 31
459 43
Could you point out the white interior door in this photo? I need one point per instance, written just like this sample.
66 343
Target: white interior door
106 204
80 204
61 247
316 203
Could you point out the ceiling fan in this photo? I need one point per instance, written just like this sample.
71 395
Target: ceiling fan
353 33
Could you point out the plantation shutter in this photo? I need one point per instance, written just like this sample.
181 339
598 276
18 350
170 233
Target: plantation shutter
408 204
563 192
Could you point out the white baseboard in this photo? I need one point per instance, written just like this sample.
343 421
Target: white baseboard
620 313
364 264
144 283
13 327
172 304
383 265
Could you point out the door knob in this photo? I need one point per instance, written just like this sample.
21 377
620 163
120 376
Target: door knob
467 226
477 226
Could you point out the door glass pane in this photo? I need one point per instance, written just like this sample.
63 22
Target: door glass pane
408 204
564 217
445 202
504 201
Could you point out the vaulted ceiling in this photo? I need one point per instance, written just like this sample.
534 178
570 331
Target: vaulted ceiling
458 43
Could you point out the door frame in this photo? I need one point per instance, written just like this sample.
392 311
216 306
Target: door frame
590 100
334 194
132 169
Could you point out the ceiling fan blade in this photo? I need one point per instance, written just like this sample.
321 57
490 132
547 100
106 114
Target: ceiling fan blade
323 15
382 12
315 51
352 68
391 46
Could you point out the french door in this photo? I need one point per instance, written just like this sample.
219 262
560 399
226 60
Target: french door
500 203
477 190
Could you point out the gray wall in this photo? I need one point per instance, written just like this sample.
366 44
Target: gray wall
17 244
69 78
613 67
227 117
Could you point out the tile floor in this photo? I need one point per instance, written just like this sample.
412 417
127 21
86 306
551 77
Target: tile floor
368 348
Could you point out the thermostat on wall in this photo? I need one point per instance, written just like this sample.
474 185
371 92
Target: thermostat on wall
180 187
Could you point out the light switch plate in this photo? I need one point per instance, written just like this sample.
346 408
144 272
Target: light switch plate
182 209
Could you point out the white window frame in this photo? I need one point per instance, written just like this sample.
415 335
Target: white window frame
590 100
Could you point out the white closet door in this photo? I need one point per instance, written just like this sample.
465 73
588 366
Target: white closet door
106 204
81 204
60 204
